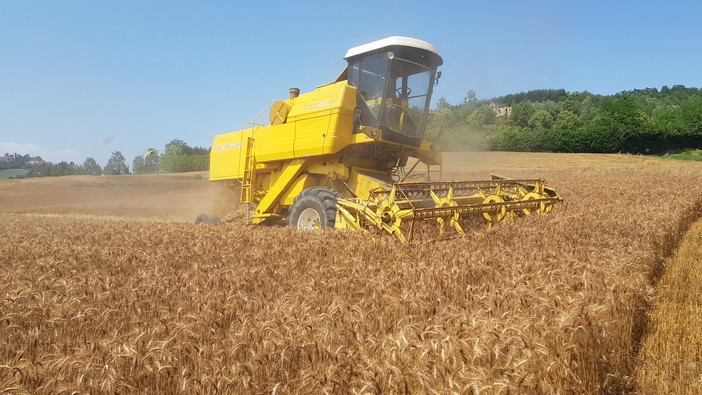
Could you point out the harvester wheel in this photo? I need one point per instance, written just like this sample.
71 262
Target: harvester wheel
313 208
207 219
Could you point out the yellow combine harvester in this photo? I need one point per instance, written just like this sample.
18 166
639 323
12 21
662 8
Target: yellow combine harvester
336 157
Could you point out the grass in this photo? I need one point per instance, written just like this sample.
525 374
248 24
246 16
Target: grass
545 304
12 173
694 155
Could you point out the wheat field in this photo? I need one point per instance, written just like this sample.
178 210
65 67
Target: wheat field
106 286
671 355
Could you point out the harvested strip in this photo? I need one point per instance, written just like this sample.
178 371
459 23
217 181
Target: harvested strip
671 356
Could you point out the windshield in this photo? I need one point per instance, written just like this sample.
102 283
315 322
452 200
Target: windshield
408 98
395 90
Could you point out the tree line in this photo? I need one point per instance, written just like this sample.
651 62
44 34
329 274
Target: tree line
177 157
642 121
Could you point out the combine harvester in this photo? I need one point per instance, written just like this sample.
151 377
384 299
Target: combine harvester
337 157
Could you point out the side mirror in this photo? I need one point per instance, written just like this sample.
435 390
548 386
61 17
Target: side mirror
438 75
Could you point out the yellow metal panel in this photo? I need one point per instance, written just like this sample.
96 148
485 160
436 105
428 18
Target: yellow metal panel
302 182
361 138
274 142
340 132
363 181
310 132
228 155
317 117
329 169
279 187
317 122
324 98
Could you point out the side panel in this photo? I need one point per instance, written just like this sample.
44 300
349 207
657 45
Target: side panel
319 127
274 143
340 132
228 155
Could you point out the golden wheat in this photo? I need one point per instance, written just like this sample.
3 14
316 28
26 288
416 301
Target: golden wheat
671 355
544 304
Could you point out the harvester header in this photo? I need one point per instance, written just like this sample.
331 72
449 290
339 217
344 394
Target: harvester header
351 154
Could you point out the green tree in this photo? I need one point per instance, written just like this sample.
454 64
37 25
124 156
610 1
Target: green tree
173 159
567 120
438 123
179 157
483 115
152 161
471 97
116 165
91 167
138 165
541 119
570 103
666 119
588 108
521 113
63 168
619 120
691 116
147 163
442 103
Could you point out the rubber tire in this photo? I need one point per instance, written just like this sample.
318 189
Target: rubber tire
320 199
207 219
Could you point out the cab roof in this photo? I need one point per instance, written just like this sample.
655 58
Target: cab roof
394 41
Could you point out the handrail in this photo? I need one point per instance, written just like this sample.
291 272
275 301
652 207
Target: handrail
253 123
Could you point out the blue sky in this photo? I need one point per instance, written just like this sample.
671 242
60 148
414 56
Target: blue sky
85 78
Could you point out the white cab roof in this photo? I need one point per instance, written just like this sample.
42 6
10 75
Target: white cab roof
390 41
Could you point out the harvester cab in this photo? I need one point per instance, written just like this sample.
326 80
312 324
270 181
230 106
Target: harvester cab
394 80
336 157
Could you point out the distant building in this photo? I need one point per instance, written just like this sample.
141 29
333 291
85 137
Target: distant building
7 158
501 111
35 162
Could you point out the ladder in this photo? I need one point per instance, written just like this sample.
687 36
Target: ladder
248 179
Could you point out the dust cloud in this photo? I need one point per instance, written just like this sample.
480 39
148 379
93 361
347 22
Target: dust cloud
163 197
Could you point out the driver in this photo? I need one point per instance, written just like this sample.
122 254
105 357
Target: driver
398 117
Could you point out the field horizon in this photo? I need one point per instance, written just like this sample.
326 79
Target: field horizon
182 196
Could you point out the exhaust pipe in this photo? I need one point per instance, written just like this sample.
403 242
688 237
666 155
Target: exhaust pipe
294 92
